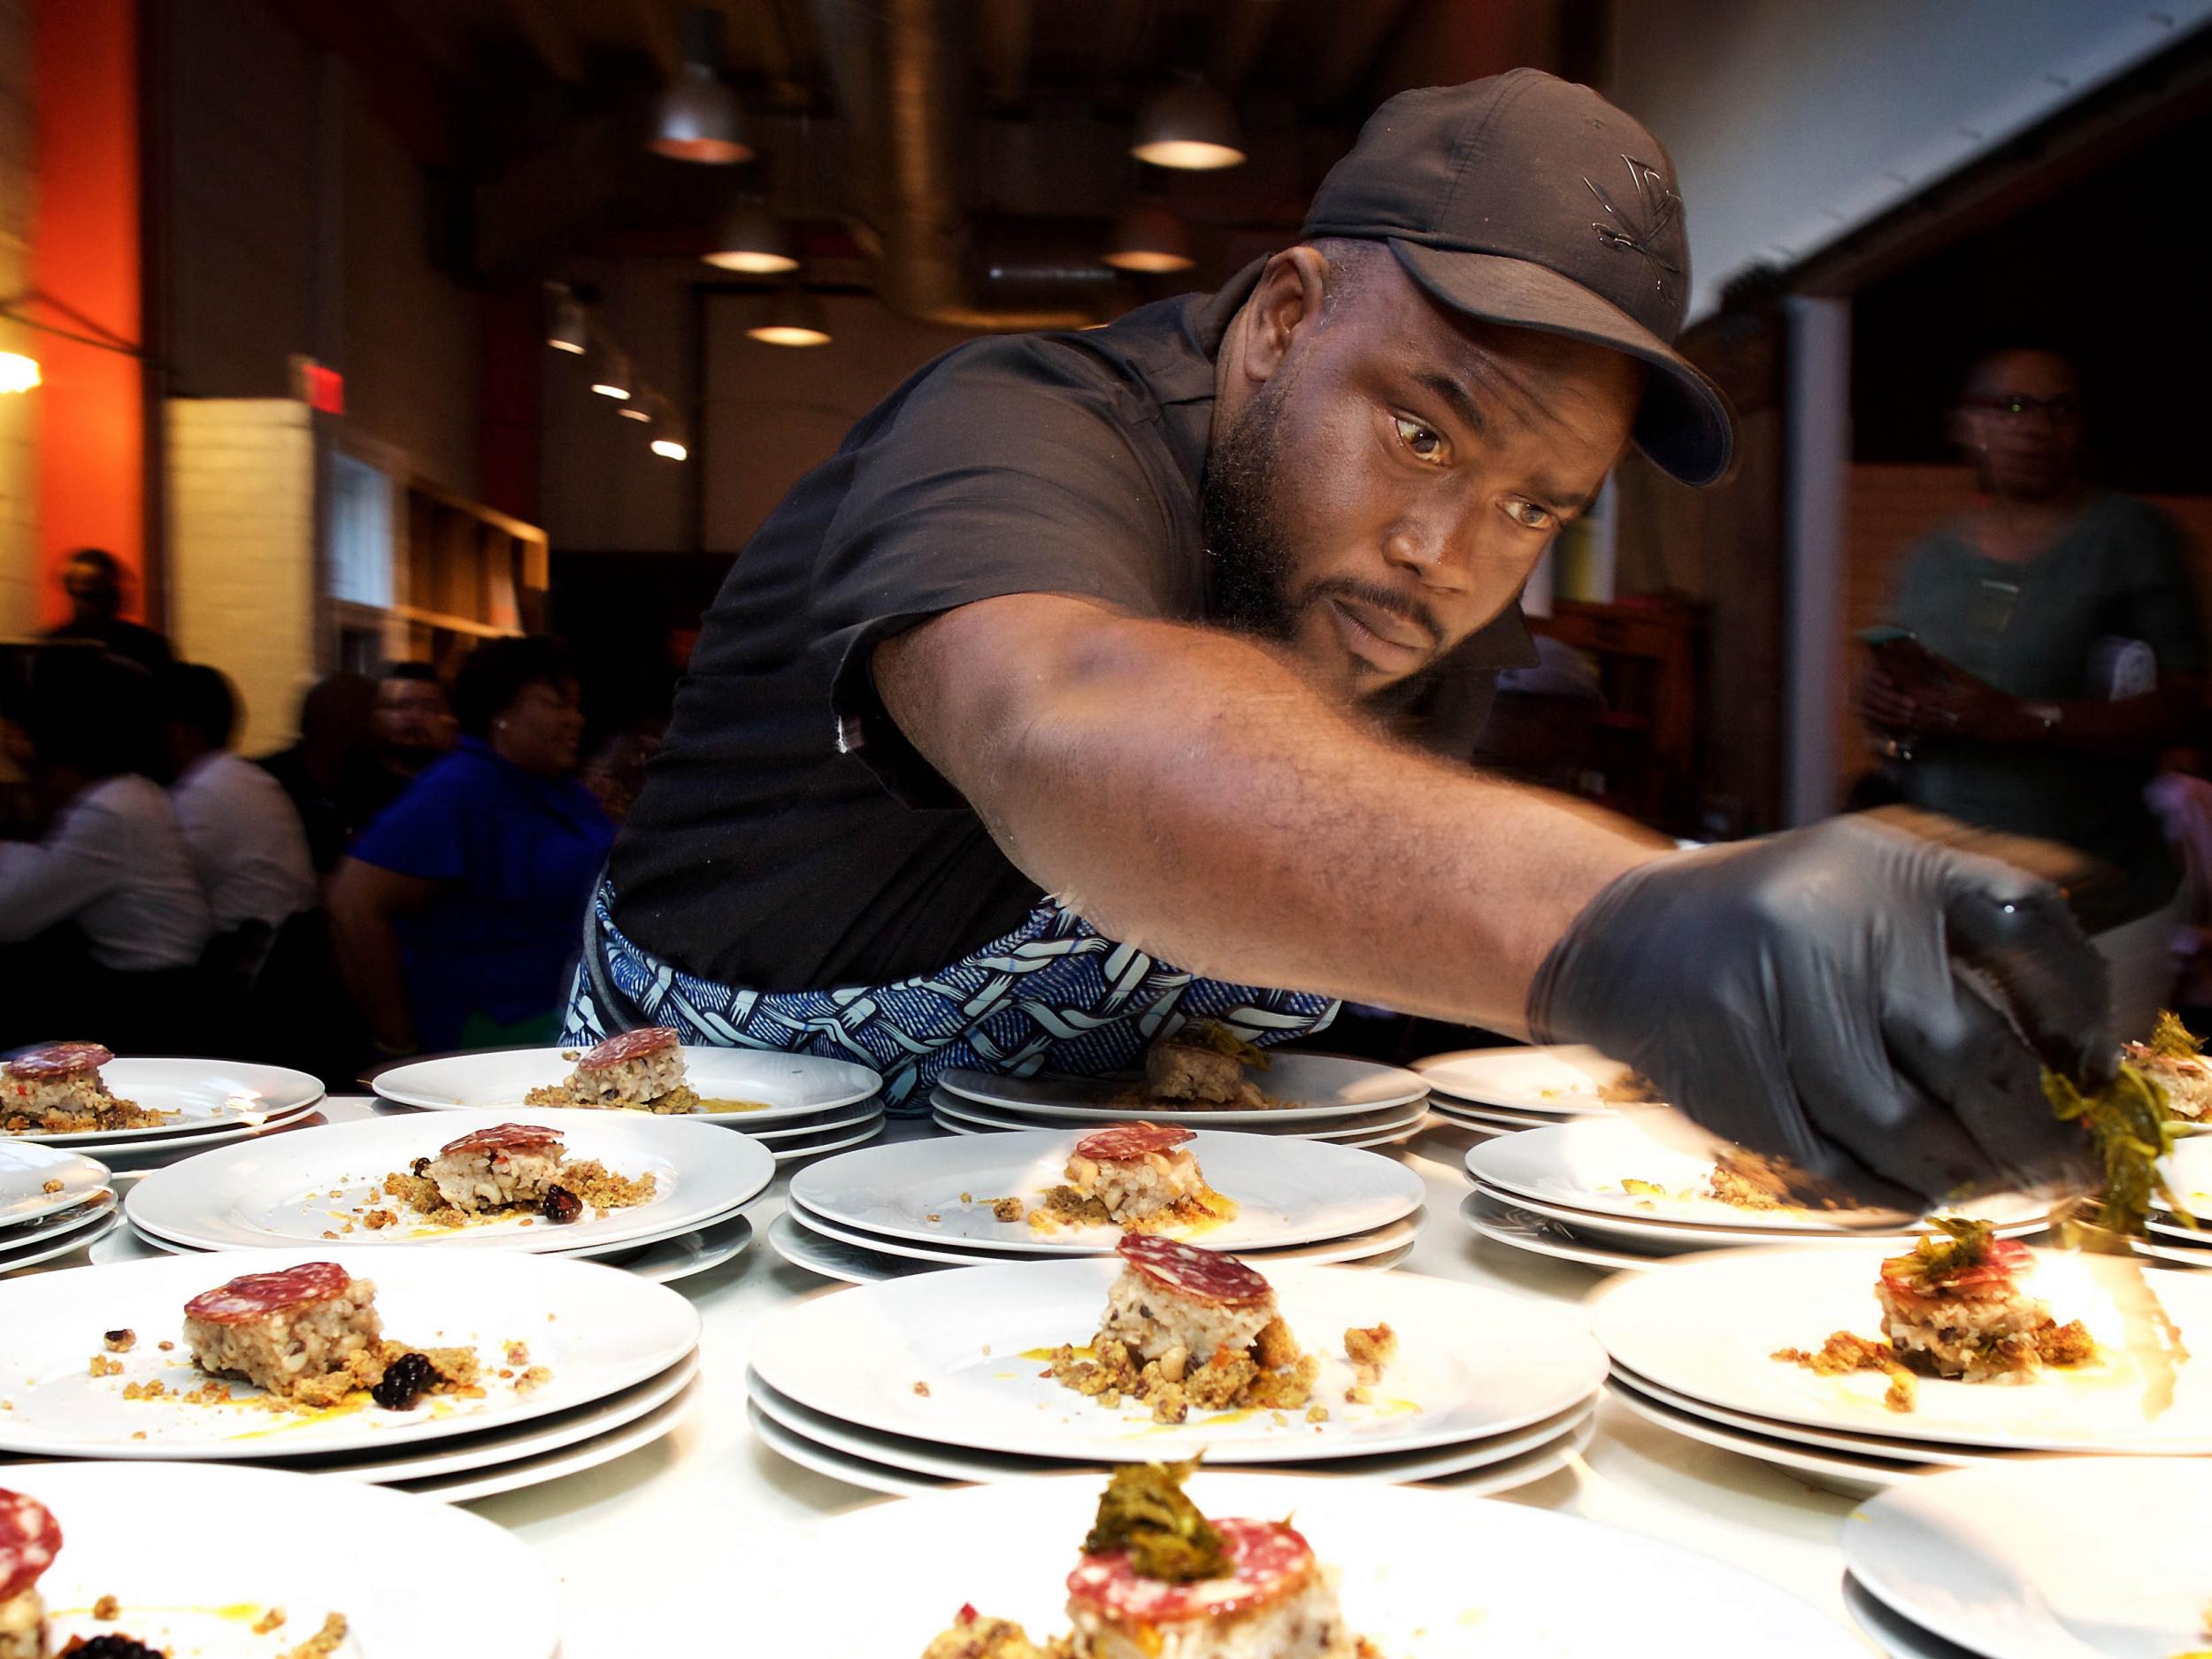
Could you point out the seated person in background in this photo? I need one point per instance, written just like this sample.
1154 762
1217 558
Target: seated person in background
414 722
247 847
108 896
2056 650
93 579
456 917
331 773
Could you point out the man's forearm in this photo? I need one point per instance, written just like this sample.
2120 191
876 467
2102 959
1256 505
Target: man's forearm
1189 793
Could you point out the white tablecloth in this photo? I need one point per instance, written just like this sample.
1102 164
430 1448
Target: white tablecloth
654 1550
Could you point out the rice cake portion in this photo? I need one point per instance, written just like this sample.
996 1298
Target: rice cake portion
632 1070
504 1167
1273 1602
308 1334
58 1089
1961 1309
30 1538
1137 1177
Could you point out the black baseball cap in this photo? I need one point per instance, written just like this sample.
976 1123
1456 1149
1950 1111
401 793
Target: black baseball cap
1530 201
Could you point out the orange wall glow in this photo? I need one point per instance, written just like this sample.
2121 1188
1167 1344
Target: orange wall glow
84 243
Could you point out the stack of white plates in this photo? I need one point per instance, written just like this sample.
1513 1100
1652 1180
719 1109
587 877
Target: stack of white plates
212 1101
51 1203
1692 1349
928 1203
409 1577
1317 1097
796 1105
915 1384
317 1187
622 1354
1496 1091
2070 1556
1563 1191
1419 1573
2170 1238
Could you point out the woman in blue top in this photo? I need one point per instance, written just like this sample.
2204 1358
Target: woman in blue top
457 913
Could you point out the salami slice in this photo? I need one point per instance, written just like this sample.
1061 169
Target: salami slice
504 1138
628 1045
58 1059
30 1538
1131 1141
1206 1276
1268 1560
257 1296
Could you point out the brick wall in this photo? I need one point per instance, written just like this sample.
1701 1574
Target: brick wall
19 414
1890 507
242 552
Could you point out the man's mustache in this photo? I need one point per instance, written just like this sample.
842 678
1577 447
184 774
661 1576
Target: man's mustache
1405 608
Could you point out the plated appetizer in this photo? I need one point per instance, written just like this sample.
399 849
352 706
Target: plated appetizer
1137 1177
1156 1579
1204 1065
632 1070
57 1089
31 1541
1186 1328
506 1169
2175 1061
1955 1307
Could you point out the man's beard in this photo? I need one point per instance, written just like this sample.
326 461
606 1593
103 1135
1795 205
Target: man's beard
1249 557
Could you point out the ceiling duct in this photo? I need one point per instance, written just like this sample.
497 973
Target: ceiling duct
899 74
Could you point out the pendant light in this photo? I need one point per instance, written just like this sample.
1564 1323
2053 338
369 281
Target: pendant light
667 439
613 379
1188 126
754 240
1152 239
699 117
566 329
795 319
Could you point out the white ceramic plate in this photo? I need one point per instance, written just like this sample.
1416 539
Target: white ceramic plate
41 1233
1852 1475
54 1249
1934 1453
26 1172
1474 1128
1358 1247
1706 1329
599 1330
277 1194
843 1119
1471 1363
843 1140
818 1253
2190 1172
202 1094
1670 1238
1287 1191
1582 1165
410 1579
122 1156
948 1104
1519 1229
1424 1574
1558 1082
1898 1637
1311 1086
468 1487
957 1463
2042 1560
2174 1254
789 1086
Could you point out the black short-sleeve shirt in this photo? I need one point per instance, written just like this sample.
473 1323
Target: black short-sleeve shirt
787 837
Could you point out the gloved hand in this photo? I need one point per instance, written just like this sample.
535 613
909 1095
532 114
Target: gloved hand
1803 994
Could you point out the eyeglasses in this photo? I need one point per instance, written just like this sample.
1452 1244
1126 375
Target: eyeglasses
2017 407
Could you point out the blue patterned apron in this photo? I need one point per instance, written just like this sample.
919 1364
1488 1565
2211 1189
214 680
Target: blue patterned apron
1053 996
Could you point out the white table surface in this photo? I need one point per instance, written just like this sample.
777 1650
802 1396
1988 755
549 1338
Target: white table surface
652 1550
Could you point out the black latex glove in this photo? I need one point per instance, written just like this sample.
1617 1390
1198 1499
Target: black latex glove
1802 995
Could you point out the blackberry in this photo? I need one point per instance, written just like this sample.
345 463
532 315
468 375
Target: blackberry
405 1380
561 1205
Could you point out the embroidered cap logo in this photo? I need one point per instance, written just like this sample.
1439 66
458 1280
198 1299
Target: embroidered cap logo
1659 210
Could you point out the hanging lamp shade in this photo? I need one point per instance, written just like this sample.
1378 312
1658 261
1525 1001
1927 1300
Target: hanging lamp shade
795 319
566 329
667 438
754 240
1188 126
699 117
612 379
1150 239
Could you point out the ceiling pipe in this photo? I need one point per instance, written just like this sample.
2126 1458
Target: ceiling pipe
898 71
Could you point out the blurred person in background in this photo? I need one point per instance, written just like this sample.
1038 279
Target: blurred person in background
247 847
331 773
103 919
456 916
414 722
2054 650
2182 798
1543 721
93 579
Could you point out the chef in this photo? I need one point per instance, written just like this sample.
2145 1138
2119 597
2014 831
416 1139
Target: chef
1107 681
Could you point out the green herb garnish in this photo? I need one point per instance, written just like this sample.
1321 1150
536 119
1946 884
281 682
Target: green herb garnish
2170 1039
1143 1510
1210 1034
2129 1121
1959 1245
